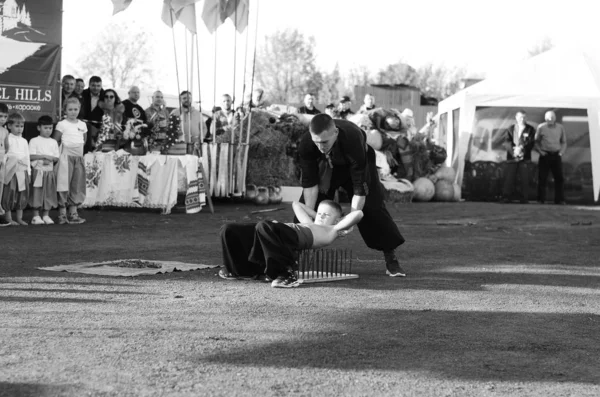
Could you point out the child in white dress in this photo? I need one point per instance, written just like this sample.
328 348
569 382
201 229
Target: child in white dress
44 153
16 181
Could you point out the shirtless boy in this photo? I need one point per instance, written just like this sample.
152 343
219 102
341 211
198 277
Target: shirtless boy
269 247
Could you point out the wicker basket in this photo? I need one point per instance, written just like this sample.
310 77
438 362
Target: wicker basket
109 145
178 149
135 150
401 191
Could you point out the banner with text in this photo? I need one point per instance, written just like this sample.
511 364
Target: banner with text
30 38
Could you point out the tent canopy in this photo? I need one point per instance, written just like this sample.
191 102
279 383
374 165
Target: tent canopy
559 78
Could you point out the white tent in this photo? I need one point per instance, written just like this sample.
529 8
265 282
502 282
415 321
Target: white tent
560 78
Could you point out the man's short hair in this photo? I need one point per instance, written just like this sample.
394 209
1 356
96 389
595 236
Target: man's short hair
185 92
321 122
345 98
79 80
521 111
333 205
67 77
95 79
226 96
330 106
14 118
45 120
3 108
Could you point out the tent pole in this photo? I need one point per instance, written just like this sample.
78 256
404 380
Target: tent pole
175 51
239 188
251 104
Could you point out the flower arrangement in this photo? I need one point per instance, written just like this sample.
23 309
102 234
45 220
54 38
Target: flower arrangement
173 132
135 129
518 152
105 130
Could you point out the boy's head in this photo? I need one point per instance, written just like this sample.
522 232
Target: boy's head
3 114
328 213
16 123
45 126
72 106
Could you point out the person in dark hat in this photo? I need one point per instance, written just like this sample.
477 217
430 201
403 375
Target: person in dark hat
344 107
334 154
330 110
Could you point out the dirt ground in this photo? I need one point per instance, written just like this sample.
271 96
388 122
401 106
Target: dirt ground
499 300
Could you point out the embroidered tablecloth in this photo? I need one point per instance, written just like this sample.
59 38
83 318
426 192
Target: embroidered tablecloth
152 181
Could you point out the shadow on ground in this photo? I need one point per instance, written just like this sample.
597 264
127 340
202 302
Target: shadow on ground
465 345
440 279
37 390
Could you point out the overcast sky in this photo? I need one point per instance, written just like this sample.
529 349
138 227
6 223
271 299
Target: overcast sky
482 36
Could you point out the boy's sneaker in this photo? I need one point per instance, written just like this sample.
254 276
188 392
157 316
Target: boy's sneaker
36 220
224 274
47 220
74 219
288 280
62 219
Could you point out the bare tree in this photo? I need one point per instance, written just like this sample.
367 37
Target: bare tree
398 73
542 46
333 86
439 81
286 67
121 56
360 75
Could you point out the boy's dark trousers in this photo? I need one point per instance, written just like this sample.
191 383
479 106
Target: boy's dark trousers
252 249
275 246
236 242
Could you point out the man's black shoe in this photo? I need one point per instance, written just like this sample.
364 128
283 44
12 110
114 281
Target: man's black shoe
394 269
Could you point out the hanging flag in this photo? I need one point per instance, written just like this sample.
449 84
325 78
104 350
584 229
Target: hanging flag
183 11
214 13
238 11
120 5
